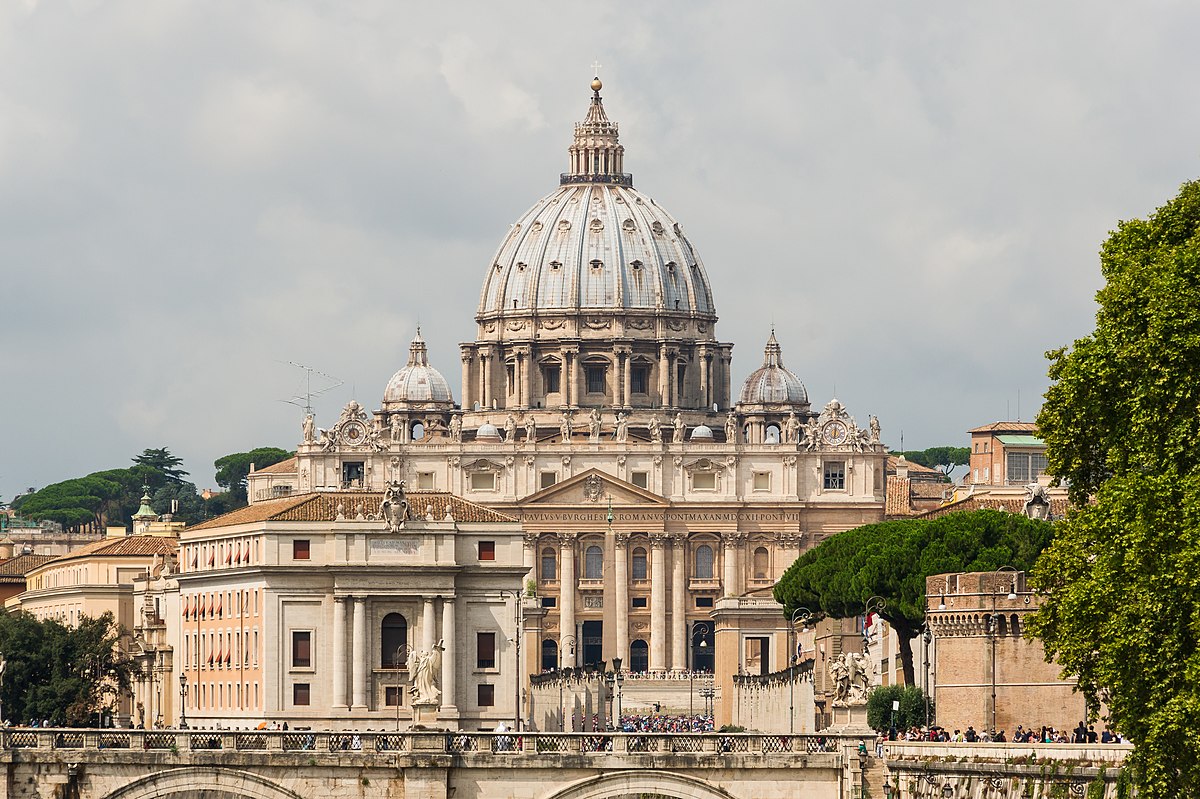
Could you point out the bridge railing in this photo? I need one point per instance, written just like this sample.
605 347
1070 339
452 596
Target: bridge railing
426 742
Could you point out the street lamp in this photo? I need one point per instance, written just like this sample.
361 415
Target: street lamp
516 595
926 638
992 627
798 615
618 678
565 642
702 630
183 693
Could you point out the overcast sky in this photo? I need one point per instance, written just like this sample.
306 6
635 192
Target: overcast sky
194 194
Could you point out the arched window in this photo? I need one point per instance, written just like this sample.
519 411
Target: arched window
704 562
593 563
549 654
639 563
639 656
549 564
762 560
418 431
772 435
393 642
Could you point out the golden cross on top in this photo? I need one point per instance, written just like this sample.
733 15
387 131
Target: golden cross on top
595 69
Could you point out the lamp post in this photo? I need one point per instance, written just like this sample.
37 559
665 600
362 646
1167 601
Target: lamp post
798 615
926 638
183 694
992 628
567 641
618 678
702 630
516 595
399 660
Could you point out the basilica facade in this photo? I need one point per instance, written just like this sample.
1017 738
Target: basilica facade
596 409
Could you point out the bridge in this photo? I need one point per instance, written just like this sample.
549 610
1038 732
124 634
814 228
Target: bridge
225 764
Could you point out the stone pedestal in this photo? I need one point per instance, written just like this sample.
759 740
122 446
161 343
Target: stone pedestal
425 714
849 718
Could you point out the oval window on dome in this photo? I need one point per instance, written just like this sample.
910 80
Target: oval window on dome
629 225
536 226
596 225
657 228
564 224
636 265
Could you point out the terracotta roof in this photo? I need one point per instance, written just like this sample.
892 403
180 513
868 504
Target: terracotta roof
1011 504
896 499
322 507
14 570
283 467
129 546
1010 427
915 470
926 490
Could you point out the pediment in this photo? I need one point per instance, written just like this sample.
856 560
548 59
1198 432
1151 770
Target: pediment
594 487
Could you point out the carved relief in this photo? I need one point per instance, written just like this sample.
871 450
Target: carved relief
593 487
598 322
676 324
640 323
552 324
517 324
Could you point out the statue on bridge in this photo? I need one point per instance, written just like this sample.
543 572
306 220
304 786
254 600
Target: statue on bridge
851 673
426 668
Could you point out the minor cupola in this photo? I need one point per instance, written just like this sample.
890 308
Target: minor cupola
596 156
773 384
418 383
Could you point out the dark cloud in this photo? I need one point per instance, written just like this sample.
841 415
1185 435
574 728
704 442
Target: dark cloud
192 195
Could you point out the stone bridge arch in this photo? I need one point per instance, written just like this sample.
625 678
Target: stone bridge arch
632 783
192 782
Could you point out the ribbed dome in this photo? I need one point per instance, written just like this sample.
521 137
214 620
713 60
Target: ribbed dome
701 432
773 383
418 382
487 432
596 243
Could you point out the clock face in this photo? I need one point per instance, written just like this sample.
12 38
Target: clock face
836 433
354 433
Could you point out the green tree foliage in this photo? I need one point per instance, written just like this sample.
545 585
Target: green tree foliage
76 504
161 467
63 674
892 559
944 458
232 469
912 707
1120 422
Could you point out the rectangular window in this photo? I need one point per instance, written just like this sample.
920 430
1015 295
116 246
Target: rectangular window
487 550
547 479
640 602
300 550
300 693
425 481
680 376
301 649
595 379
704 481
483 481
835 475
549 602
640 479
1024 467
762 481
512 378
486 695
639 379
393 695
704 602
550 378
485 650
352 474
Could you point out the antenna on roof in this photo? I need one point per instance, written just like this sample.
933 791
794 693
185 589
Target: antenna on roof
1018 404
901 442
307 396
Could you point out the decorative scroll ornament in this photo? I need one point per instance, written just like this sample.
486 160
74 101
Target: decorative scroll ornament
350 431
394 507
593 487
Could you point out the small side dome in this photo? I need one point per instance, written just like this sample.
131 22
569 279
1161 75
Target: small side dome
488 432
418 383
773 383
701 432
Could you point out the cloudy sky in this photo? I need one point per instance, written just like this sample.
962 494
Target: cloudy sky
193 195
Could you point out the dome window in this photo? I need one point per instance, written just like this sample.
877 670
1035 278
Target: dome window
657 228
596 226
520 267
637 266
536 226
629 225
564 225
597 266
555 265
671 267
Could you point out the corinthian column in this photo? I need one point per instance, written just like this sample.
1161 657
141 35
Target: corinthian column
339 653
622 575
678 606
360 653
658 602
566 599
449 689
731 571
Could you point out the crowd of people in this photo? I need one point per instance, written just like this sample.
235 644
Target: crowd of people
659 723
1082 734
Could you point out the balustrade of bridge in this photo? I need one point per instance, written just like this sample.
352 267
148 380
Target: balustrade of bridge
426 742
